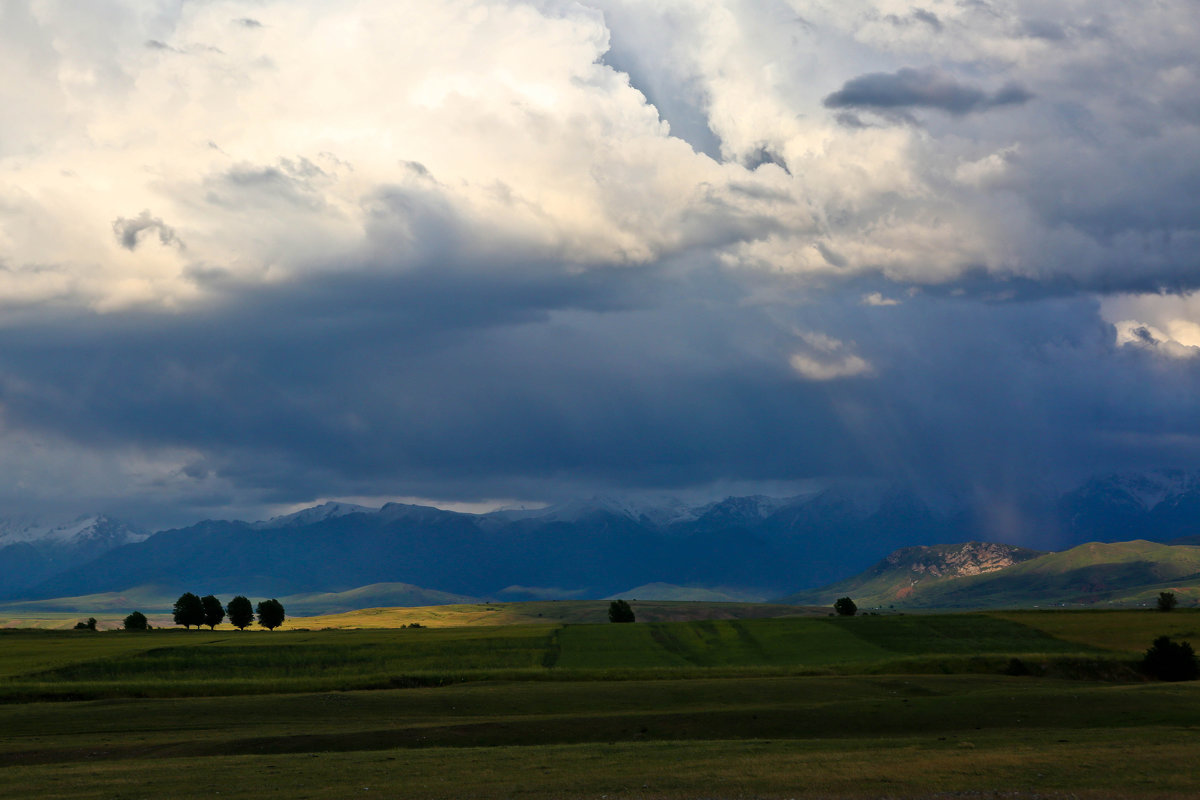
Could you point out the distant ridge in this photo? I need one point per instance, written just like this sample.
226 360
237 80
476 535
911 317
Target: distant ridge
668 591
376 595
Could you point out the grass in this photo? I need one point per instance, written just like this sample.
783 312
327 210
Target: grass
1126 631
1040 767
903 706
782 737
76 665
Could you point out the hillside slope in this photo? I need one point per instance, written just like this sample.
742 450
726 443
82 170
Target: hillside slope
1117 574
909 571
977 576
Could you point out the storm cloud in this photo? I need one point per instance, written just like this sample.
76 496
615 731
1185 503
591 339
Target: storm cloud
508 250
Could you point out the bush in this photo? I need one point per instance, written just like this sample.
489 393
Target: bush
90 625
845 607
619 611
1167 601
1170 661
136 622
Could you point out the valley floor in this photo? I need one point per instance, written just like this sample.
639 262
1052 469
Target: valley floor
772 708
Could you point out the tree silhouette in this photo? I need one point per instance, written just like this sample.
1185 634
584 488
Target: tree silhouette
1170 661
270 614
619 611
213 612
136 622
189 611
241 613
845 607
1167 601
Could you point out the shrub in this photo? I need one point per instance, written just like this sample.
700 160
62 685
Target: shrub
619 611
136 622
845 607
1170 661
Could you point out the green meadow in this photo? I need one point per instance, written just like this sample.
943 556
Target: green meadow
888 706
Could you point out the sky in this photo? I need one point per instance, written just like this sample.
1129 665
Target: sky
255 254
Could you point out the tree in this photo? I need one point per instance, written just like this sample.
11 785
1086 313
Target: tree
136 622
1170 661
619 611
189 611
845 607
1167 601
90 625
213 612
270 614
241 613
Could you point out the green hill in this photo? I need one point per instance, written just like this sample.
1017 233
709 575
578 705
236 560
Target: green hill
910 571
1117 574
1094 574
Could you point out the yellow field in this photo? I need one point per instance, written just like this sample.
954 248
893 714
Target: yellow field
534 613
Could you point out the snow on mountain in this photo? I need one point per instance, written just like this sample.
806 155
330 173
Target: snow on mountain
1152 488
311 516
735 510
653 511
91 531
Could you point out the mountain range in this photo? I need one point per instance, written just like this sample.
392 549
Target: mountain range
746 547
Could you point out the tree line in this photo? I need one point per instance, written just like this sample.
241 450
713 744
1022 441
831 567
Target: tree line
191 609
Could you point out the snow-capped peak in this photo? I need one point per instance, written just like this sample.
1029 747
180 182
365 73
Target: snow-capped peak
86 530
315 514
652 510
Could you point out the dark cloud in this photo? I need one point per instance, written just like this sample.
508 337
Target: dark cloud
459 385
1144 335
1043 29
132 232
918 15
248 22
297 182
928 17
921 88
765 155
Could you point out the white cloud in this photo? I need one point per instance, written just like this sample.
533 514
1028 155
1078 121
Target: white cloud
827 359
285 146
877 299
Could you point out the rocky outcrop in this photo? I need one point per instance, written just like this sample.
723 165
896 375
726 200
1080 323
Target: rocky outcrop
958 560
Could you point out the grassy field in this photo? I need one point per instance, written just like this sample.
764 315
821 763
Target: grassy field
905 706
